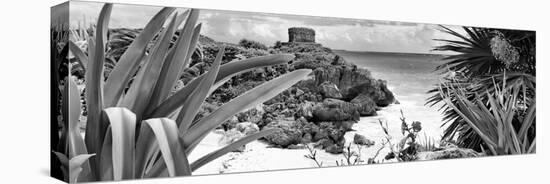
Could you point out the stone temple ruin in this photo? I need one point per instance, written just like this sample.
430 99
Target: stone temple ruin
301 34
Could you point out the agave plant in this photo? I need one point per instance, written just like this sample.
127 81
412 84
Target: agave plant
481 58
139 129
494 122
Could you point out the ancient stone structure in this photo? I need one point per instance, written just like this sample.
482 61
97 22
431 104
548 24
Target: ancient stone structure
301 34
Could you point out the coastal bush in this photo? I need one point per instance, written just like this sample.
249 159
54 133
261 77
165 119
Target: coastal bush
140 129
480 59
252 44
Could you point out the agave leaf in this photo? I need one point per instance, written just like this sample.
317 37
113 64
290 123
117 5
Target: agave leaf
192 44
64 164
75 164
245 101
82 58
71 101
106 157
226 72
130 60
123 128
166 133
231 147
174 62
94 80
146 148
191 107
137 97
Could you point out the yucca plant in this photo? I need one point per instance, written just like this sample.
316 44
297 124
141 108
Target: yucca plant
480 57
494 121
138 129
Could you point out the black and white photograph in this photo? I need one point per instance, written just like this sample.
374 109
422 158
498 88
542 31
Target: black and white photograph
142 92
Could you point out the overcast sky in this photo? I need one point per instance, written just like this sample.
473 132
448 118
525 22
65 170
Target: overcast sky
231 26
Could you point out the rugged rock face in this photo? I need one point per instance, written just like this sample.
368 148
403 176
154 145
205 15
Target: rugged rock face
367 107
319 109
375 89
335 110
330 90
362 140
288 132
301 34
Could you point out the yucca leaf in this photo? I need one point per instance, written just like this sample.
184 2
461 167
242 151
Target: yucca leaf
226 71
123 128
231 147
130 60
82 58
75 164
174 157
94 85
137 97
191 107
529 119
243 102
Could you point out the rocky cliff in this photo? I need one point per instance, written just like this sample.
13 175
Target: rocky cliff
319 110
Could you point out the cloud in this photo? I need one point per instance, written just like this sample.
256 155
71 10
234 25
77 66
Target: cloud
231 26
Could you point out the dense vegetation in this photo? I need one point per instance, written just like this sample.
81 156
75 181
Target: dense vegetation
488 93
137 126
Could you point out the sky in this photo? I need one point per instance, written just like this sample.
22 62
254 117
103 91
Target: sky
232 26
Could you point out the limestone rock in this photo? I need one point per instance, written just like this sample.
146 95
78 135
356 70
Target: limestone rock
447 153
330 90
335 110
231 136
287 133
362 140
366 104
247 128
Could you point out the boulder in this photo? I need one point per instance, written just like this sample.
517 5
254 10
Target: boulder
448 153
247 128
367 107
375 89
324 143
306 138
231 136
335 110
296 146
335 149
306 110
230 123
253 115
287 133
330 90
362 140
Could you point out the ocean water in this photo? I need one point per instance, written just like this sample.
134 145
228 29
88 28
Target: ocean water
409 77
